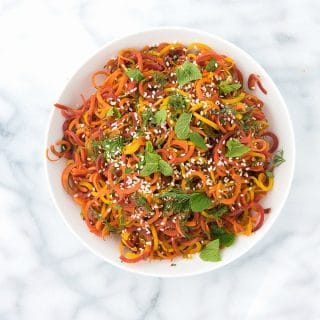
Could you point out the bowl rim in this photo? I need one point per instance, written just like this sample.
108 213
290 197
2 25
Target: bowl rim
281 202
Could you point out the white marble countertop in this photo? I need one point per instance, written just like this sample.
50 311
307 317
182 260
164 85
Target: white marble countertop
45 273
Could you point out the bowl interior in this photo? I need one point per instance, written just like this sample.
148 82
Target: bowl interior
275 110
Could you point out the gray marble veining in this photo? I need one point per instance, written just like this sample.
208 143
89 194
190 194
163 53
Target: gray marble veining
45 273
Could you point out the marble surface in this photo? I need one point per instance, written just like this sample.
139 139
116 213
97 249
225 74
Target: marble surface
45 273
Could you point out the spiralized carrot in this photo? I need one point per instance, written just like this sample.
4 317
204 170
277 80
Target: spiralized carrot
106 143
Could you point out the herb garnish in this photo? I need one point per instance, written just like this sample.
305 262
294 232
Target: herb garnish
226 238
146 116
236 148
218 210
134 74
182 127
154 163
128 170
160 117
182 201
212 65
113 112
211 252
187 72
110 147
160 78
141 201
178 102
226 87
198 140
278 159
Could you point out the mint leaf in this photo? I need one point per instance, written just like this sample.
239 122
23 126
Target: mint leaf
111 146
187 72
212 65
269 174
177 101
109 113
278 158
141 201
176 200
134 74
216 231
160 78
160 117
113 112
226 87
211 252
149 147
146 116
149 168
226 239
182 127
122 220
199 202
236 148
198 140
165 168
151 157
154 163
116 113
218 211
128 170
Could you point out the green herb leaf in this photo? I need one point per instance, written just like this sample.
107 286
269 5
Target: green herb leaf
149 168
154 163
269 174
236 148
116 113
160 117
134 74
141 201
210 132
160 78
211 252
179 201
128 170
182 127
151 161
113 112
165 168
109 113
177 101
218 211
187 72
199 202
146 116
253 125
110 146
226 238
122 220
198 140
278 158
216 231
226 87
110 228
212 65
176 200
149 147
151 157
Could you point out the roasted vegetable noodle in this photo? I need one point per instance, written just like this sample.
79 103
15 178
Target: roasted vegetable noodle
170 153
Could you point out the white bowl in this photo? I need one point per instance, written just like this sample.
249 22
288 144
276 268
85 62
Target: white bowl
275 109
